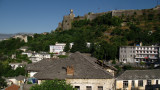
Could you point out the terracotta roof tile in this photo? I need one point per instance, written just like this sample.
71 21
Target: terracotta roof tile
12 87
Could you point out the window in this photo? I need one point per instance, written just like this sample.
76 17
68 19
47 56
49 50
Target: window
100 87
77 87
157 82
88 88
148 82
140 83
133 83
125 84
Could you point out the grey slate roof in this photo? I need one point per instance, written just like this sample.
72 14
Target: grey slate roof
84 68
140 74
20 77
40 66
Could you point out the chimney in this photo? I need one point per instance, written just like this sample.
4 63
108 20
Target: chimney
70 70
140 43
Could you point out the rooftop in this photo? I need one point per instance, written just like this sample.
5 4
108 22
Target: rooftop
140 74
84 68
12 87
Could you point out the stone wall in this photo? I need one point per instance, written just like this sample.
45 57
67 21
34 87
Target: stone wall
126 12
67 20
119 84
108 84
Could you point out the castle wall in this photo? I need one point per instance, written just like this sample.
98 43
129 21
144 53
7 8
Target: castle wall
67 20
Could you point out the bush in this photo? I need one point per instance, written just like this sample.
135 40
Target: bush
53 85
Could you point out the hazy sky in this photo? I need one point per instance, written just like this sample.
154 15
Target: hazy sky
37 16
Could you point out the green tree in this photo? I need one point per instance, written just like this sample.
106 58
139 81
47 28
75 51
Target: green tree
2 81
79 45
53 85
67 48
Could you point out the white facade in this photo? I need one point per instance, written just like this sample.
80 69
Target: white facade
31 74
15 65
36 57
57 48
137 54
29 54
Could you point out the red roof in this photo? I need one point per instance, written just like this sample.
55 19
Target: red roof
146 57
12 87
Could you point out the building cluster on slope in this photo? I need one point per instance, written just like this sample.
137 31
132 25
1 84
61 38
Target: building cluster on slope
83 73
87 73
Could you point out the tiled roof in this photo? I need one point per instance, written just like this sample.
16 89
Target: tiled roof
84 68
20 77
140 74
12 87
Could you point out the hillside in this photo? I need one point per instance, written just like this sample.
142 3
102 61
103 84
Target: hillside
105 32
5 36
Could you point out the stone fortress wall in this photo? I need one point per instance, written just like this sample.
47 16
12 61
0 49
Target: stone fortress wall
68 19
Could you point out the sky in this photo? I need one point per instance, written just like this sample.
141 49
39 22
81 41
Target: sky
38 16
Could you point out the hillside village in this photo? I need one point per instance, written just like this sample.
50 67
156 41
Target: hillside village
115 50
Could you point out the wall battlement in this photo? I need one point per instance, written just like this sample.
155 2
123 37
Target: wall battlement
68 19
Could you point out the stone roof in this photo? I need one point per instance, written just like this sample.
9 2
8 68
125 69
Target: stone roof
20 77
140 74
40 66
84 68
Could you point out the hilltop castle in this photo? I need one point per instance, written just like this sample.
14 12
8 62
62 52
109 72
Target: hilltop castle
68 19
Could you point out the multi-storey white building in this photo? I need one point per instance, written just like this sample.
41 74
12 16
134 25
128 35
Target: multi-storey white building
57 48
132 54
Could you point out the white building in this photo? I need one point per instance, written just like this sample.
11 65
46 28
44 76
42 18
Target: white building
136 54
24 48
36 57
16 65
57 48
28 53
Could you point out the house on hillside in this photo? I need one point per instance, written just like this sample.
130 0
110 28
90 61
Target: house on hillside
57 48
16 65
137 54
139 80
16 80
79 70
28 53
36 57
24 48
